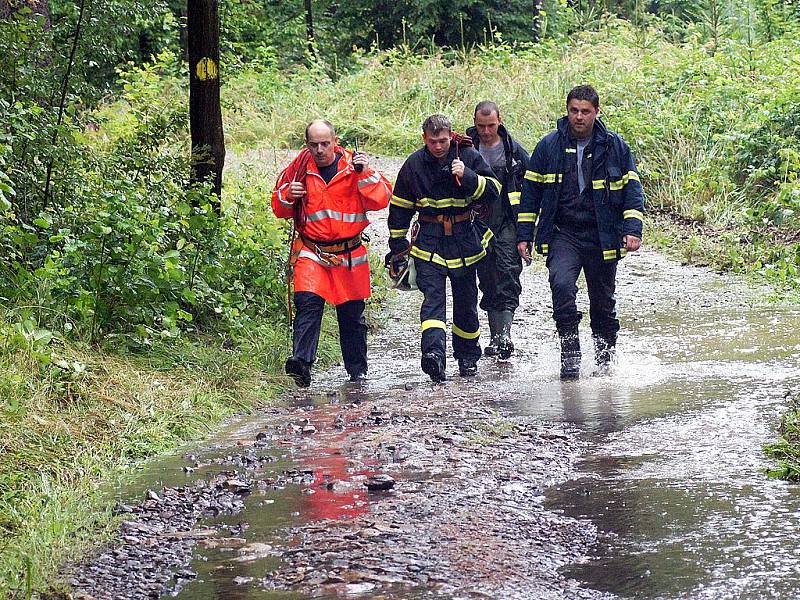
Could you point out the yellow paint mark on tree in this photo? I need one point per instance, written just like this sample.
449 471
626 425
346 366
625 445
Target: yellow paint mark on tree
206 69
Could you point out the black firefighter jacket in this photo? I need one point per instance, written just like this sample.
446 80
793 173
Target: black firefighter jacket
428 187
616 190
511 179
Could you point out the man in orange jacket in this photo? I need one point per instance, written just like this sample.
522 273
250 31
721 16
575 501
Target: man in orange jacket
328 191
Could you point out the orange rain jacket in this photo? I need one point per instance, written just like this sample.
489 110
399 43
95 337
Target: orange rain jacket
331 213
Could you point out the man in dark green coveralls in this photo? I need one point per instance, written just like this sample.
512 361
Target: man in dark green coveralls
498 274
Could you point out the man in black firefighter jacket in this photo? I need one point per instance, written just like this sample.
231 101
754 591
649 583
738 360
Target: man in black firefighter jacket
582 188
498 273
444 182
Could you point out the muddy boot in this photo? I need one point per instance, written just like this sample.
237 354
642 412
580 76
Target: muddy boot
299 370
494 331
504 344
604 351
467 367
433 366
570 353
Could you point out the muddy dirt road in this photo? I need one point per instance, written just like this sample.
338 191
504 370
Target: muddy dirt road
646 483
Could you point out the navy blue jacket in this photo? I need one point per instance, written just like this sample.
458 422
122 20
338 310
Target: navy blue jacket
616 190
428 187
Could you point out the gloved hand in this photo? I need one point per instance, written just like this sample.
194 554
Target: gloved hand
396 263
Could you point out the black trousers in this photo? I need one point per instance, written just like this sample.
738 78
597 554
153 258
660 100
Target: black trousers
352 330
565 259
498 273
432 282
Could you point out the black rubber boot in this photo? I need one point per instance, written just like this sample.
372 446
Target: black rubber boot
433 366
505 347
570 353
604 351
467 367
494 331
299 370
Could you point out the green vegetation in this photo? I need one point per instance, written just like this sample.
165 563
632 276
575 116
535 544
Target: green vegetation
134 316
786 451
728 174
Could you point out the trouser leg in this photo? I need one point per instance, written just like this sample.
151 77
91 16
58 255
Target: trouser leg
353 336
466 331
499 273
431 281
564 264
601 285
306 327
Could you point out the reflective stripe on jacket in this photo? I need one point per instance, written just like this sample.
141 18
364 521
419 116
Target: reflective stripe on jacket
616 190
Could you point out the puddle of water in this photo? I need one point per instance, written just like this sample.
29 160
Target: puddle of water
675 482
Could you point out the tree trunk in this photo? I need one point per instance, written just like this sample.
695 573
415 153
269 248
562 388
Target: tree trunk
309 27
205 112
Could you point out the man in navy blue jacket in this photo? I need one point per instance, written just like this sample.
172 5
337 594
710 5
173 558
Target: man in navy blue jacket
445 182
583 198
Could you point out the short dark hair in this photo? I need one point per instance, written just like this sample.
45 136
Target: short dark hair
486 108
325 122
584 92
436 123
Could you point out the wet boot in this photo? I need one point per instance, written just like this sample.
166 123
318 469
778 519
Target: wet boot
570 353
467 367
494 332
433 366
299 370
504 344
604 351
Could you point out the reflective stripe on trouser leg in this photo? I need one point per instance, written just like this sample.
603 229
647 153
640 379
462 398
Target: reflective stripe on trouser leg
564 264
431 281
353 336
307 324
499 272
466 332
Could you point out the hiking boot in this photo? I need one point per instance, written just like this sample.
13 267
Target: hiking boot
467 367
570 353
433 366
604 352
494 330
505 347
358 377
299 370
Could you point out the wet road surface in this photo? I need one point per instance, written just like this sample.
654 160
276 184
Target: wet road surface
647 483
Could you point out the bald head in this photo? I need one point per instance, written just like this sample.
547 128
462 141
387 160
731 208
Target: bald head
320 125
321 141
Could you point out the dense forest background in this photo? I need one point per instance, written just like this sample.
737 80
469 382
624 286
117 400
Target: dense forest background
135 312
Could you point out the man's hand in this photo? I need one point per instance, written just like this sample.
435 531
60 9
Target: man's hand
296 191
524 249
359 158
631 242
457 168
